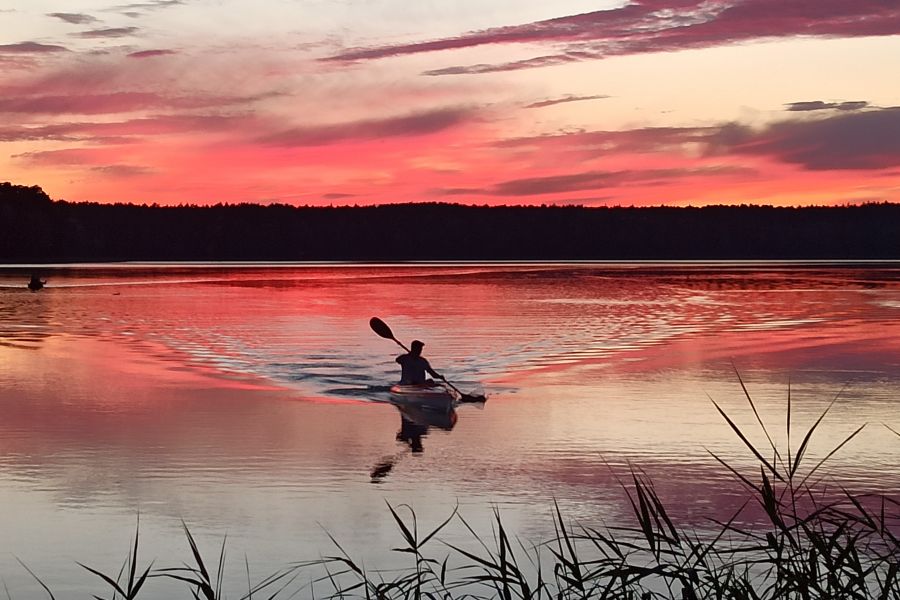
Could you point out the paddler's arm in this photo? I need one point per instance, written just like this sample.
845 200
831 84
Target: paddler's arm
431 371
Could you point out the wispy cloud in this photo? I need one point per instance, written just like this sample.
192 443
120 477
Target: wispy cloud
154 4
150 53
564 100
122 170
658 26
821 105
108 32
634 141
62 157
73 18
457 191
101 161
528 63
120 131
598 180
415 124
114 102
30 48
134 8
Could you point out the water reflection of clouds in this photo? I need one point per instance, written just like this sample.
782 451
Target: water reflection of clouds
774 322
25 318
155 399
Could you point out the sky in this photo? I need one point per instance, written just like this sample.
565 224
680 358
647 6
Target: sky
356 102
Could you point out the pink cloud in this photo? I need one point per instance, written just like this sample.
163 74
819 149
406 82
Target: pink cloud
113 85
659 26
564 100
122 170
151 5
109 32
73 18
415 124
99 161
810 105
643 140
150 53
30 48
129 130
62 157
528 63
597 180
114 102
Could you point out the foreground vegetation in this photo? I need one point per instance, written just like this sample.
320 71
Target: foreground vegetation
808 543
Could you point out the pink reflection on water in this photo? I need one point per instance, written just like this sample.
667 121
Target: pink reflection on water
245 396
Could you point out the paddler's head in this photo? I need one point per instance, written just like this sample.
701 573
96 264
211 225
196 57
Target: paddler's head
416 347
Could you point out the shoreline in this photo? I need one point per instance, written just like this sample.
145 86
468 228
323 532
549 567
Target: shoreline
276 264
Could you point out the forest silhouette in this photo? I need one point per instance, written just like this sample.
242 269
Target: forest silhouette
35 228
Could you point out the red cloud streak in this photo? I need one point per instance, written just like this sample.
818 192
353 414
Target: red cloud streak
662 25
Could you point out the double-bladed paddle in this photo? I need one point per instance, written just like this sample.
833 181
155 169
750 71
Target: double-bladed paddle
382 329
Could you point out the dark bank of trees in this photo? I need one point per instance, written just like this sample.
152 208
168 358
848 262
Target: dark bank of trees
33 228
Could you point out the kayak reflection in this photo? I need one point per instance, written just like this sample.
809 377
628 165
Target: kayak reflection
415 423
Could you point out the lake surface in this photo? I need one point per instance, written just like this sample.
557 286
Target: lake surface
251 400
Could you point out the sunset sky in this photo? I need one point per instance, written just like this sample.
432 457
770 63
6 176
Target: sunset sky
601 102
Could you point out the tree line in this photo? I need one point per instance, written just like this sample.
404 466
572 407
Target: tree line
35 228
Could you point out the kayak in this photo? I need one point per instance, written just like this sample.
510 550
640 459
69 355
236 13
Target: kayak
432 396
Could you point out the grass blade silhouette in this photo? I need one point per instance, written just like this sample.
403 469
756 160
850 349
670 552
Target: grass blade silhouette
36 578
756 412
801 451
747 443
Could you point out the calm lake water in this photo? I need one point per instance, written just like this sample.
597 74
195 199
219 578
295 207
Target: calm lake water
251 400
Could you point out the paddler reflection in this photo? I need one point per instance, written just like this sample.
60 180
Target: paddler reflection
415 423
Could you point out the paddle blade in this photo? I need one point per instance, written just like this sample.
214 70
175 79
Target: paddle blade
381 328
475 395
474 398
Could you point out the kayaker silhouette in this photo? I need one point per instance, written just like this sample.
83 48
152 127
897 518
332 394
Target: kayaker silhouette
414 366
381 328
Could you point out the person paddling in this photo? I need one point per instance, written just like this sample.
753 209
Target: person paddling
414 366
416 370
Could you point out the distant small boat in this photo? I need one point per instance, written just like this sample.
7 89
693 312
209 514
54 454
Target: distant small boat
36 283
